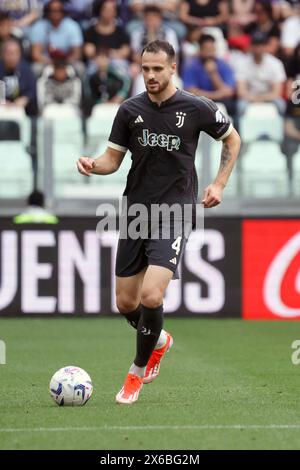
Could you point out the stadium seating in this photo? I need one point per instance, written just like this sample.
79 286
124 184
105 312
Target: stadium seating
264 171
17 114
98 130
263 166
296 172
99 126
16 173
261 120
67 144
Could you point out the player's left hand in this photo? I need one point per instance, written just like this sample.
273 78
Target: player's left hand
212 196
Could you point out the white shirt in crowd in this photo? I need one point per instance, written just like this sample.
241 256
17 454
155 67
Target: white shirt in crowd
290 33
260 77
138 34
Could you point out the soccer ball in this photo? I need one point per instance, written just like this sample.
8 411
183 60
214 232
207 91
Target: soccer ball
71 386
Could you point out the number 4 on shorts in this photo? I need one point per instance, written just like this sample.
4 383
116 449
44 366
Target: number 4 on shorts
176 244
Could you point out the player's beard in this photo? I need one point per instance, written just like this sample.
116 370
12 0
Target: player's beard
158 89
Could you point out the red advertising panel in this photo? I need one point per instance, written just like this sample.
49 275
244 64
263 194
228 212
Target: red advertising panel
271 269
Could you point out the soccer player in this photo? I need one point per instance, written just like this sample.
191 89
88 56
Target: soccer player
160 127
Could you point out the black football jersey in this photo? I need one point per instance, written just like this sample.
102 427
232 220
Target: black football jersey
163 141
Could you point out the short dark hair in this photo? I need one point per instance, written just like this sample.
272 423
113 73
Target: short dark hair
206 38
266 6
11 40
4 16
152 9
158 45
47 7
98 7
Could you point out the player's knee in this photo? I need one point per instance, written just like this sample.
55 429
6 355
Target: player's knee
152 298
126 304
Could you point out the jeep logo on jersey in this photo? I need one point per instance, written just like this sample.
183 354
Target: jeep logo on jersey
170 142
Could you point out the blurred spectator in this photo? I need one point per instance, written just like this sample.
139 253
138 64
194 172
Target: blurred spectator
151 29
167 6
241 13
106 32
239 47
285 8
59 84
79 10
262 77
265 23
55 34
7 31
169 10
291 141
22 12
17 76
293 70
204 12
108 84
190 45
290 35
35 212
208 76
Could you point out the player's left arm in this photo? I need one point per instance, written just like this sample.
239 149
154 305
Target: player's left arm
230 148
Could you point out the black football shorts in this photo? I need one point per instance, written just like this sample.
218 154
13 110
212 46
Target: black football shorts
157 247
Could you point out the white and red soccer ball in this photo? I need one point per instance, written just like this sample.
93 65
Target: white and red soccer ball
71 386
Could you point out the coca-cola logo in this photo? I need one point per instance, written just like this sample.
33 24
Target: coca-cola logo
275 277
271 269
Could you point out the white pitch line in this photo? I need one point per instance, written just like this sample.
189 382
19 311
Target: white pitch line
155 428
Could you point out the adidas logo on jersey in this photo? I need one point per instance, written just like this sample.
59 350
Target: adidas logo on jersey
139 119
173 260
220 117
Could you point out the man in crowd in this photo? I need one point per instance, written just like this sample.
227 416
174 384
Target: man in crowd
152 29
261 78
17 76
108 84
208 76
59 84
56 32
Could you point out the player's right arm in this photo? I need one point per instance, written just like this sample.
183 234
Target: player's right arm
106 164
117 146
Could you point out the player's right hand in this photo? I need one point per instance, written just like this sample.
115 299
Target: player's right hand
85 165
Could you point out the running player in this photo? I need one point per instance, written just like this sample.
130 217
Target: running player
161 128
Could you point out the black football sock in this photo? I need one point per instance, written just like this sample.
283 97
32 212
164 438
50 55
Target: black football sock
133 317
148 331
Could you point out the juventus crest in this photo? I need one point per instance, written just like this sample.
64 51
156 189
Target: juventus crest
180 116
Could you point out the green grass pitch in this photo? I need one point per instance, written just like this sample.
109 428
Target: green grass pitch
226 384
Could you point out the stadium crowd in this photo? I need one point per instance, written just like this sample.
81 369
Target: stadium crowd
85 52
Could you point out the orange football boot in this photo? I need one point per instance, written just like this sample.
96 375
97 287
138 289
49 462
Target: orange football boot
153 366
129 393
